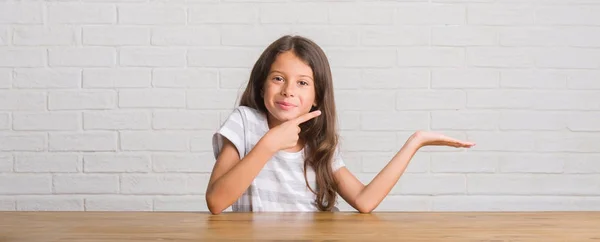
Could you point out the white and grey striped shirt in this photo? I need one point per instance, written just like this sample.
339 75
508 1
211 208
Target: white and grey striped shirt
280 186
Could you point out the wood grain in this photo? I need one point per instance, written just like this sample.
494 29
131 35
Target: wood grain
401 226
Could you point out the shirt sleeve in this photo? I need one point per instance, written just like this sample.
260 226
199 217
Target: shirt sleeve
233 130
338 162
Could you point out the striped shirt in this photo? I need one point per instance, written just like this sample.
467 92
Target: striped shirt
280 186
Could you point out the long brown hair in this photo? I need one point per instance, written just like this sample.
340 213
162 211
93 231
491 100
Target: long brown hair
320 134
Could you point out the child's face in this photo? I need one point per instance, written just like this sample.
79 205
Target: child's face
289 90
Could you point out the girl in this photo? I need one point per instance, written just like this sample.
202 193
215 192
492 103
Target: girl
278 150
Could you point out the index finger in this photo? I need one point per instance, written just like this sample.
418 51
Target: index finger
307 117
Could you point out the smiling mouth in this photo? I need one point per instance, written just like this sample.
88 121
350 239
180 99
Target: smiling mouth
285 106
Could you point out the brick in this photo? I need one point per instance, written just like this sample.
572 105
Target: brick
116 35
566 100
352 160
211 99
343 13
385 120
582 163
22 141
185 120
5 37
88 141
152 57
500 99
189 77
116 120
575 58
181 203
164 184
464 120
8 204
22 100
329 35
46 121
346 78
85 184
533 184
201 141
394 36
22 57
430 14
349 120
116 162
354 58
500 14
368 140
430 99
373 100
118 203
223 13
532 36
582 36
567 15
293 13
82 56
80 100
435 184
49 203
500 57
583 79
528 79
566 142
188 35
26 184
509 203
244 35
21 13
531 163
117 78
6 76
82 13
152 98
464 36
465 78
154 141
47 78
152 13
47 162
430 57
503 141
41 35
5 121
374 162
6 162
233 78
464 162
202 162
222 57
583 121
532 120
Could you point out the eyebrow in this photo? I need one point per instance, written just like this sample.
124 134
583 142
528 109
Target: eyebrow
284 73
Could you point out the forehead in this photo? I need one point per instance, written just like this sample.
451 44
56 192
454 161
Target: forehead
290 64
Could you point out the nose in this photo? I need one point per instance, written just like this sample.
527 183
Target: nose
287 90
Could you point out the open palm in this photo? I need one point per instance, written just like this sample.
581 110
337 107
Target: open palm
427 138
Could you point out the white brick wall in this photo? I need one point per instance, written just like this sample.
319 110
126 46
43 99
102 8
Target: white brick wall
111 105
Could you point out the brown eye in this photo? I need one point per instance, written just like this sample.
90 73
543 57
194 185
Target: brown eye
303 83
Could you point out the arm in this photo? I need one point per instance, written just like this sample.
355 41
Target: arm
231 176
366 198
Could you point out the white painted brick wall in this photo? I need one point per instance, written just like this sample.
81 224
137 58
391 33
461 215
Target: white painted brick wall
111 105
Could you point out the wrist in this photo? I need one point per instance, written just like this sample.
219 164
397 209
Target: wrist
415 140
267 144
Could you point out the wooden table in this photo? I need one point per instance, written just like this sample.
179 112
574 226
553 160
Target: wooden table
192 226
